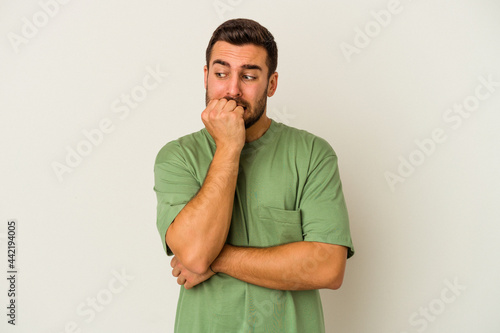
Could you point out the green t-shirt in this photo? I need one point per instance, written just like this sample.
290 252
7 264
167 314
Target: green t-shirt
288 190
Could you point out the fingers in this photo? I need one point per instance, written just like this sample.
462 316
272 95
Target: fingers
189 279
177 270
216 104
239 110
181 280
212 104
223 120
173 262
215 107
222 105
227 106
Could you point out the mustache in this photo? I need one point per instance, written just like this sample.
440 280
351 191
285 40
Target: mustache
238 101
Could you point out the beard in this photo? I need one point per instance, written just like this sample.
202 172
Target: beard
252 113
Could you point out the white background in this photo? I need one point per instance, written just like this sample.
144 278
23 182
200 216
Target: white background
437 227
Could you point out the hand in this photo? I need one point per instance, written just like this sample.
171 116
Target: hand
186 277
223 119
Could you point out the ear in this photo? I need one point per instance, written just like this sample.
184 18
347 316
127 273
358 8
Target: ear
205 71
273 84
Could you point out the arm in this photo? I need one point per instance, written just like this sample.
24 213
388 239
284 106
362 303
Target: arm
315 262
310 264
199 231
294 266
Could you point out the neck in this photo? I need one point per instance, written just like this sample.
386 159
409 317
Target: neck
258 129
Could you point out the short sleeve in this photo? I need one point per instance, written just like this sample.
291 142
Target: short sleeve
175 185
323 208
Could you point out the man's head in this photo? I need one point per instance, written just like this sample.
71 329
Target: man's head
241 65
244 31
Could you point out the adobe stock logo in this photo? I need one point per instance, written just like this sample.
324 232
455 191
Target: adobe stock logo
94 137
421 319
30 28
98 302
454 118
223 6
281 115
381 19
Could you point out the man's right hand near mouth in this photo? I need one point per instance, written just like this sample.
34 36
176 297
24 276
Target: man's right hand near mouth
223 119
199 232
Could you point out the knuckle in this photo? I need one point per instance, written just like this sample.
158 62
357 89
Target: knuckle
221 103
212 116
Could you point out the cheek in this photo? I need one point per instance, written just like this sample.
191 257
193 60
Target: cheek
251 92
255 95
215 89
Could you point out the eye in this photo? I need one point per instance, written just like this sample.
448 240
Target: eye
249 77
221 75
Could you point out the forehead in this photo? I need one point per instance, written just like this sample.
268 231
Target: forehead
238 55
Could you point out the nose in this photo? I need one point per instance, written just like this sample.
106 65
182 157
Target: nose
233 87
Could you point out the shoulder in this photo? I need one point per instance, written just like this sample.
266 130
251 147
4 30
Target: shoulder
302 139
177 148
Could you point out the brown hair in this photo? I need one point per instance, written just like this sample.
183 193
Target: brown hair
245 31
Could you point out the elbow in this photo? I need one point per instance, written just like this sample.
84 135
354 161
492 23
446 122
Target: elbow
190 257
335 284
335 280
196 264
333 267
193 256
192 261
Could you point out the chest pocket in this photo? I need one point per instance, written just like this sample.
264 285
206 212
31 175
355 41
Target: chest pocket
276 227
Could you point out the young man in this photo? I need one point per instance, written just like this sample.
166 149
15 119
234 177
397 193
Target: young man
251 209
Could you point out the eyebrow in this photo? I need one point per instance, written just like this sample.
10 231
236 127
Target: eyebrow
245 66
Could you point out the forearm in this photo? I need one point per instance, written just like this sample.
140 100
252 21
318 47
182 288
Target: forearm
199 231
294 266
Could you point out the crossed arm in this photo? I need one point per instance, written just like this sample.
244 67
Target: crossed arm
294 266
198 234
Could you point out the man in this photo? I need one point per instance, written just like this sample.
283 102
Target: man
251 209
